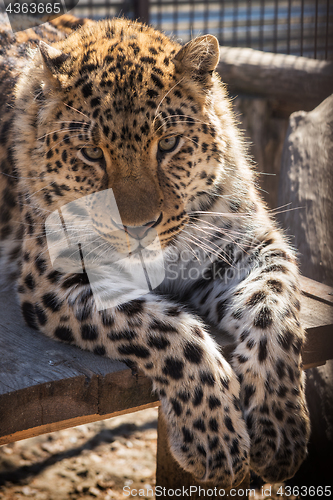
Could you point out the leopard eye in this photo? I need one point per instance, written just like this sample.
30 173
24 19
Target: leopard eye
93 154
168 144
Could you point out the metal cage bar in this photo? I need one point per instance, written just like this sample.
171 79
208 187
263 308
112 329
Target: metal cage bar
300 27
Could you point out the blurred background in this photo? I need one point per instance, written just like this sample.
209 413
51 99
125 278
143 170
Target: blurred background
299 27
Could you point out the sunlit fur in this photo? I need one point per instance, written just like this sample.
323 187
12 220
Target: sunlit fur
123 87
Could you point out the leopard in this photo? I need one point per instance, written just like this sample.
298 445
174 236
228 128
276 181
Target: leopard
136 133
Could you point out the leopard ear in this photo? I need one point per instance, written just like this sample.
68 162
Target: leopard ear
199 57
53 59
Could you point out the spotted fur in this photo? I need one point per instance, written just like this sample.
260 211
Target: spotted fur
123 87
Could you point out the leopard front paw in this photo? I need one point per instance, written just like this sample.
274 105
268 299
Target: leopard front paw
207 434
278 442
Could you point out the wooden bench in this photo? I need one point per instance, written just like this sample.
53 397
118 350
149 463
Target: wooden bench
46 386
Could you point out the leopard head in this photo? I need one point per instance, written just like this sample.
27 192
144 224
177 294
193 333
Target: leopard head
120 108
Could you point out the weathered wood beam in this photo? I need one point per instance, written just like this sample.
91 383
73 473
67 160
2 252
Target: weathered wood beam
284 77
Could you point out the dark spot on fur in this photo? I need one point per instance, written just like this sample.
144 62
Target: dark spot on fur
89 332
41 265
200 425
100 350
134 349
188 436
132 307
262 354
41 315
201 450
286 339
244 335
107 319
160 343
221 309
122 335
29 281
248 393
198 395
213 425
213 402
54 277
162 327
64 333
275 285
193 352
29 315
184 395
213 443
256 298
173 368
173 311
207 378
264 318
87 89
234 450
51 301
228 424
279 414
176 407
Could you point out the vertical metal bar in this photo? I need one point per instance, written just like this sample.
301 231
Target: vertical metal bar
191 17
175 18
248 23
288 26
90 7
221 24
235 25
276 20
316 31
107 8
261 24
159 15
327 27
206 17
302 26
141 10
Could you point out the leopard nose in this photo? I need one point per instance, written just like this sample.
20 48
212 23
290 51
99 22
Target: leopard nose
138 232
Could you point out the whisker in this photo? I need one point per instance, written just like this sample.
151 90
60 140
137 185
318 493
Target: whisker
208 241
58 131
76 110
192 242
209 252
28 197
160 103
205 245
72 137
190 249
227 233
225 214
226 237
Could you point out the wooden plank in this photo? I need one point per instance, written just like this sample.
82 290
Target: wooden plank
301 81
71 422
318 291
315 313
43 382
